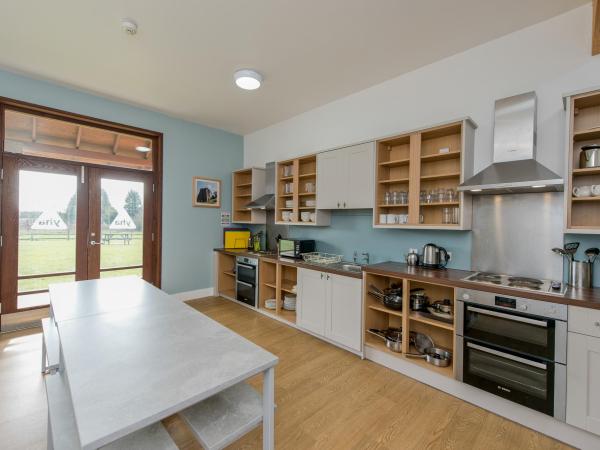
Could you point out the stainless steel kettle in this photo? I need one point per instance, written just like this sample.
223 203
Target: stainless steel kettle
435 257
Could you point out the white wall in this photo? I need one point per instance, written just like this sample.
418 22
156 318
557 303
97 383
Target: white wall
552 58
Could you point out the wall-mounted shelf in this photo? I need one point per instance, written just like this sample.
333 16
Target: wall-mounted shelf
583 128
424 160
247 185
300 176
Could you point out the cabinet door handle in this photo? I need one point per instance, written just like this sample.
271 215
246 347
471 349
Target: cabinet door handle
597 324
321 276
344 204
338 204
328 277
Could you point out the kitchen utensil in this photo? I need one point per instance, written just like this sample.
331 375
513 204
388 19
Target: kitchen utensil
582 191
435 257
305 216
580 274
435 312
421 341
595 188
559 251
443 306
392 338
571 249
434 356
270 303
418 299
412 259
592 254
589 156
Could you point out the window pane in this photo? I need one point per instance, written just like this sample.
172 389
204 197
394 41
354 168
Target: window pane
121 273
47 227
58 139
122 217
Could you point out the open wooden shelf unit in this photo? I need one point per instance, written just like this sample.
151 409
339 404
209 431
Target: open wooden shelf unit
427 160
226 276
380 317
276 281
247 185
583 128
300 199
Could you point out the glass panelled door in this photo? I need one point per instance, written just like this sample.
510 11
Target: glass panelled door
41 202
120 237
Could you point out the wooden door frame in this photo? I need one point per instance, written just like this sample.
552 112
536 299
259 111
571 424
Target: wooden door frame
79 119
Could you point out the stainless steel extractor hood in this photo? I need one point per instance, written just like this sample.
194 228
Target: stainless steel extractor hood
514 169
266 201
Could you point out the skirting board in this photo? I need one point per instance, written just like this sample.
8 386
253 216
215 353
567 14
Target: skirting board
504 408
193 295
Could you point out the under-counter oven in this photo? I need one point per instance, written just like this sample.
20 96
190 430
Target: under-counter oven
514 347
246 280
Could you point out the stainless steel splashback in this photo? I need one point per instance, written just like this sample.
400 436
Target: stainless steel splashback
514 234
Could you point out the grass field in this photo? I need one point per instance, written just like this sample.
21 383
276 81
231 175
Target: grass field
39 256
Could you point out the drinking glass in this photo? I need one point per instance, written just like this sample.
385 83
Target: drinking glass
395 200
447 216
403 197
387 198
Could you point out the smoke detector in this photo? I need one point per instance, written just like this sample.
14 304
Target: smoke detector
129 27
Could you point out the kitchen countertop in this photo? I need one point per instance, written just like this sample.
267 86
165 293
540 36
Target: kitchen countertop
587 298
329 268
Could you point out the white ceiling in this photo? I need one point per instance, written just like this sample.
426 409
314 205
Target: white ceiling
309 51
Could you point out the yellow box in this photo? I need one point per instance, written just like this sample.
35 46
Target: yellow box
236 238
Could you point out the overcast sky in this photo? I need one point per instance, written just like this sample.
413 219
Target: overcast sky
40 191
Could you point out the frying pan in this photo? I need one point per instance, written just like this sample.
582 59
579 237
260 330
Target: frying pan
421 341
435 356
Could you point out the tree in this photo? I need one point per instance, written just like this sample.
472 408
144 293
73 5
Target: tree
107 212
133 203
70 215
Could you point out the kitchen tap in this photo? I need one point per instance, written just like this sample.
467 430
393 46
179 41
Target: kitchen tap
365 258
355 257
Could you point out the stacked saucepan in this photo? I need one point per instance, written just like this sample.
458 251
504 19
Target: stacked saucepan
391 297
424 344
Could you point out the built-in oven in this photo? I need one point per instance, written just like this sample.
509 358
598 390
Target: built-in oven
514 347
246 281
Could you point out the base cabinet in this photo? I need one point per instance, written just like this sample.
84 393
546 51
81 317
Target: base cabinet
330 306
583 382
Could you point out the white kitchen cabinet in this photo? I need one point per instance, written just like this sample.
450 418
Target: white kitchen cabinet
345 177
583 382
312 300
330 306
344 311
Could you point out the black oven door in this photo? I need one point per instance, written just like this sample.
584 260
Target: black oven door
522 380
513 331
246 273
246 292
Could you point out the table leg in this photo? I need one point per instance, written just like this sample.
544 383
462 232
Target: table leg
269 409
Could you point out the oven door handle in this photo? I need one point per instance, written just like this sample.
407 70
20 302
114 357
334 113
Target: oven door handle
514 318
508 356
245 284
247 266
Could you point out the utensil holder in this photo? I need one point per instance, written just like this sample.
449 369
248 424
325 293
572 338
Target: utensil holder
580 274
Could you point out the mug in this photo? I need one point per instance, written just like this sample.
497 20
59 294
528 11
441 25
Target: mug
313 217
595 190
392 218
582 191
403 218
286 216
382 219
309 187
305 216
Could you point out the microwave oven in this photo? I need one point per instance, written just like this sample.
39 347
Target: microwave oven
293 248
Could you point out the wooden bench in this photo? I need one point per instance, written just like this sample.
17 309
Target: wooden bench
50 346
222 419
62 430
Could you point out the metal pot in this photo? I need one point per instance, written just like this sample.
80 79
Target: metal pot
390 297
589 156
443 306
418 300
391 336
434 356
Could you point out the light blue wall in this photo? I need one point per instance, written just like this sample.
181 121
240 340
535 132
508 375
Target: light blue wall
353 230
189 234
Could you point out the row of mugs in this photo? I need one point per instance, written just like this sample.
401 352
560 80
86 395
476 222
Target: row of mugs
392 219
587 191
305 216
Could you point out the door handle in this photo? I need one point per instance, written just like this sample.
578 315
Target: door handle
338 204
344 204
95 243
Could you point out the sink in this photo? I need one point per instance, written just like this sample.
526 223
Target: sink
352 267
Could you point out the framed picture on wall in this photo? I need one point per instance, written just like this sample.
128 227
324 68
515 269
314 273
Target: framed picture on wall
206 192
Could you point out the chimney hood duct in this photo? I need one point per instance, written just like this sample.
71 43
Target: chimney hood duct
267 201
514 169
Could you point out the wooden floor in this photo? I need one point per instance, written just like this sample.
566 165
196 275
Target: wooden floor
326 398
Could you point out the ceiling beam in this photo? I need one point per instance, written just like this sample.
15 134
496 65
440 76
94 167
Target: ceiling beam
34 129
596 28
116 143
78 138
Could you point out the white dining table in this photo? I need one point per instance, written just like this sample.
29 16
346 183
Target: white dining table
133 355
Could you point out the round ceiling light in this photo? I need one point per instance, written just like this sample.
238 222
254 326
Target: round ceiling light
248 79
141 148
